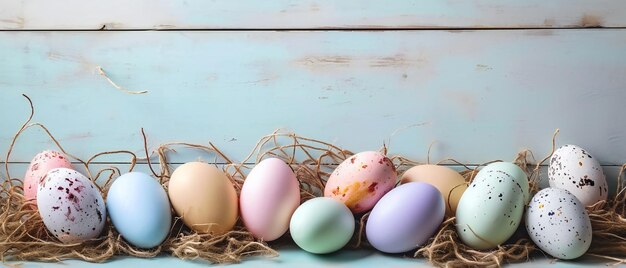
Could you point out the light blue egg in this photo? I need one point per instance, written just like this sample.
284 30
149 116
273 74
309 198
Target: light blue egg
139 209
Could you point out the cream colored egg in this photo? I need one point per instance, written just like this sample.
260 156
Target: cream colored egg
204 197
450 183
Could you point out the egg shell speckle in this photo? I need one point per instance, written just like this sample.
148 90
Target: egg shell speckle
361 180
559 224
269 196
490 210
516 173
38 168
71 206
572 168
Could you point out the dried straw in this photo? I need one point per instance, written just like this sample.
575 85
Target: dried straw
23 236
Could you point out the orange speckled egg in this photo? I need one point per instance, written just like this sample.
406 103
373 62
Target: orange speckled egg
361 180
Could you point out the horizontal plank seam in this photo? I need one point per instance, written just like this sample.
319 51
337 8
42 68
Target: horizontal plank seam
330 29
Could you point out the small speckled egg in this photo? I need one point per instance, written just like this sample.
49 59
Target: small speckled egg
322 225
139 209
38 168
514 171
269 196
449 183
559 224
572 168
491 209
361 180
204 198
71 206
405 218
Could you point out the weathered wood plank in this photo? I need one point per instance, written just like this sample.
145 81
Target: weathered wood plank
481 95
308 14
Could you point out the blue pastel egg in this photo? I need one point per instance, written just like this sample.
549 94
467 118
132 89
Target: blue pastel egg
139 209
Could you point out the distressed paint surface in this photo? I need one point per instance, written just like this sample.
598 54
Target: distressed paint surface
308 14
482 95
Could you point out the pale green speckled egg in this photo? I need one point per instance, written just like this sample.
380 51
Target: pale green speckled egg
491 208
516 172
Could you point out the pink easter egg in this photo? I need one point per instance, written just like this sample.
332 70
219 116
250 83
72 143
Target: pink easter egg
361 180
269 197
38 168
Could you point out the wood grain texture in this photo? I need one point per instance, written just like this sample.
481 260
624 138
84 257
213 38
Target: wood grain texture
309 14
482 95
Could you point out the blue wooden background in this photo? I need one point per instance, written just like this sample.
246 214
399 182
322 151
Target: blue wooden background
482 79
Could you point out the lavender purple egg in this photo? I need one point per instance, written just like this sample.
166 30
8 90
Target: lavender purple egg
405 218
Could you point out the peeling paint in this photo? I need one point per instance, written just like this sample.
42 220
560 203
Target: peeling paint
483 67
16 24
590 21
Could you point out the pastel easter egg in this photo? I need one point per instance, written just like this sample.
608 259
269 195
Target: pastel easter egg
572 168
139 209
405 218
491 209
559 224
322 225
71 206
514 171
204 197
269 196
450 183
38 168
361 180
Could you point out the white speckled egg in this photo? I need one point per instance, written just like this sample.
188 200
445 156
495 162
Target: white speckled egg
491 209
71 206
559 224
572 168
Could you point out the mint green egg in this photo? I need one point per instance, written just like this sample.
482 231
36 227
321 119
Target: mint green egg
516 172
491 208
322 225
